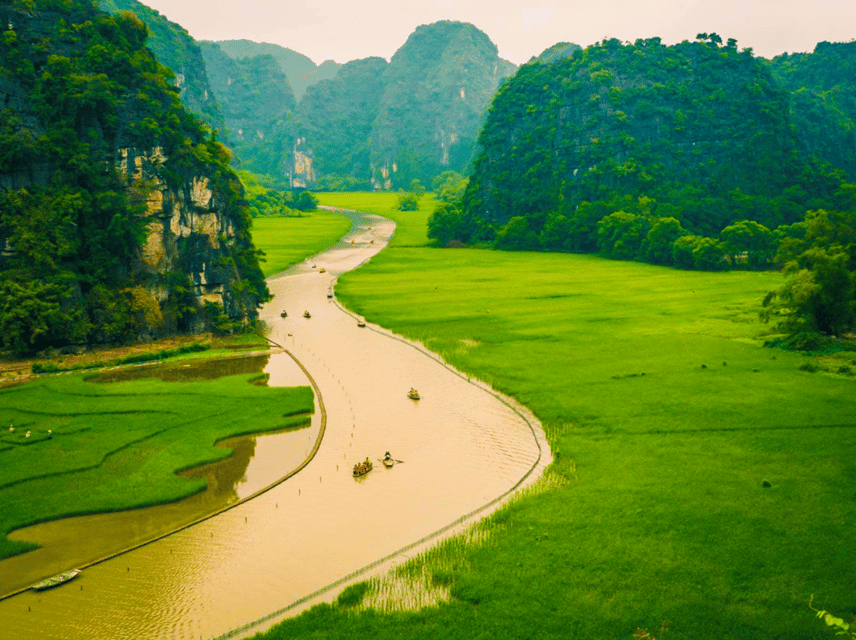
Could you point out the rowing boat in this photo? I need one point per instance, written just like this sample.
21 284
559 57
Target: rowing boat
56 580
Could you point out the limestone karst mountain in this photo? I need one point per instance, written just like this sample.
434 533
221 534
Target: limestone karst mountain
427 105
176 49
121 217
257 105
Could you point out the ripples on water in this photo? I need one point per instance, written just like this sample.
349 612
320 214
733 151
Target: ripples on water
460 447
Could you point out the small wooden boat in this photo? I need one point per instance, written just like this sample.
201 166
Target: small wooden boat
361 323
388 462
283 315
329 295
322 270
413 394
56 580
362 468
306 314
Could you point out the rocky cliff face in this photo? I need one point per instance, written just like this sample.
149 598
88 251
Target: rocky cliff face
119 214
188 232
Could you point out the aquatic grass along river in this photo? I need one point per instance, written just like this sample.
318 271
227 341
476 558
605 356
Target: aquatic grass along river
462 447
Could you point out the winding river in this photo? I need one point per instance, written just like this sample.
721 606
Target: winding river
463 447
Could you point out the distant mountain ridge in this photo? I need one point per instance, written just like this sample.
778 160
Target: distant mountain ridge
300 70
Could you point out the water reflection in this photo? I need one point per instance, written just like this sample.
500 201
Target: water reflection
188 370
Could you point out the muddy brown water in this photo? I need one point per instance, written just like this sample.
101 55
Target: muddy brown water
462 447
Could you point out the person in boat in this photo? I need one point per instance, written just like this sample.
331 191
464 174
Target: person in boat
386 456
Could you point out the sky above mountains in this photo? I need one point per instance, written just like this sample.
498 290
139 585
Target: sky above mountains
344 30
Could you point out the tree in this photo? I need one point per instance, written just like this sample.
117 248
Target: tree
516 234
751 238
660 240
449 186
819 295
621 234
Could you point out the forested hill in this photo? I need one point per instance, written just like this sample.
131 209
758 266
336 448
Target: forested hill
176 49
298 68
823 102
437 87
257 103
335 122
120 216
700 132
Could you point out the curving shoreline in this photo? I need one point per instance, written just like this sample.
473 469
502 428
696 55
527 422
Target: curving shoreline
467 450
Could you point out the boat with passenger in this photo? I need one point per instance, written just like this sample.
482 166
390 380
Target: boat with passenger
362 468
413 394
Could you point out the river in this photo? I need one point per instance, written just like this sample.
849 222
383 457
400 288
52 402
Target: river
462 448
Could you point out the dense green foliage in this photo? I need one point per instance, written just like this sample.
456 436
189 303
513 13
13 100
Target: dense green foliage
175 49
823 100
257 104
72 226
698 477
269 196
819 257
117 446
596 150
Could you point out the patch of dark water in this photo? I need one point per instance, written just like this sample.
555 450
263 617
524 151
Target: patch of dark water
187 370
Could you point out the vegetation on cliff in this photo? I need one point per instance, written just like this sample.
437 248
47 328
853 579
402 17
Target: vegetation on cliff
84 95
688 155
177 50
257 104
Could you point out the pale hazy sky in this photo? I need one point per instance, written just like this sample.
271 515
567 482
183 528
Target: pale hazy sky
344 30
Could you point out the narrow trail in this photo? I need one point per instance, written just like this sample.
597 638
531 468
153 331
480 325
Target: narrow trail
466 449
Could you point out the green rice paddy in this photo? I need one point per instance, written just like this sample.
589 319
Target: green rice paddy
96 448
412 226
289 240
700 479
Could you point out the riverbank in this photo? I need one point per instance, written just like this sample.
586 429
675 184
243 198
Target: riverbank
704 480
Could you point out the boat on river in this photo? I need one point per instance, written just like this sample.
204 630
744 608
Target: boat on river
361 323
306 314
413 394
56 580
388 463
362 468
283 315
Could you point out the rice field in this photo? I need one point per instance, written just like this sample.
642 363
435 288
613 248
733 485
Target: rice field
701 479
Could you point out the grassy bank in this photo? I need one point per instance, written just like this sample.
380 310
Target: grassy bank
702 479
287 241
117 446
412 226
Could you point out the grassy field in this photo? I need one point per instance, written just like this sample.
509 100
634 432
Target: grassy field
700 478
412 226
117 446
287 241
